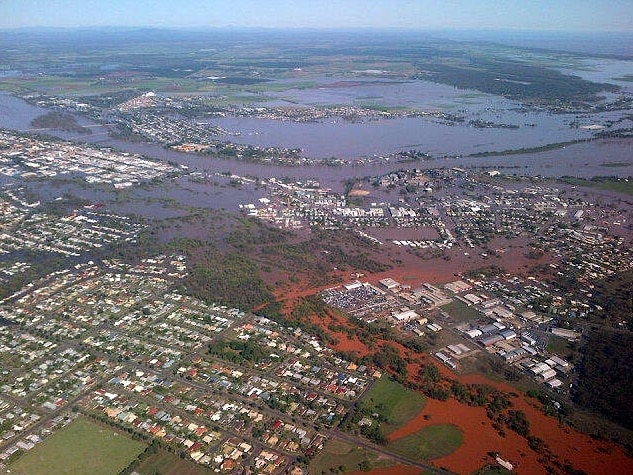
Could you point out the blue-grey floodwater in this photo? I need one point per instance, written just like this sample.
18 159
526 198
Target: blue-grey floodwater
352 140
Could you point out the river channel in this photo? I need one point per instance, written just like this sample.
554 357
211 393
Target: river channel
585 159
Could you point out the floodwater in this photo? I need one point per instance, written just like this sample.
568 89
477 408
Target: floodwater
605 70
374 138
339 138
17 114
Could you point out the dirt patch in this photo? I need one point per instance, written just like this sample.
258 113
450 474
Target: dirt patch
479 438
359 192
413 266
347 345
345 342
570 446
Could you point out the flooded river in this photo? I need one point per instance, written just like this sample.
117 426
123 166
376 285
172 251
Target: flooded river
375 138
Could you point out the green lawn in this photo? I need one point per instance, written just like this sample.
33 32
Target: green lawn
343 457
558 345
82 447
395 402
429 443
167 463
460 311
619 186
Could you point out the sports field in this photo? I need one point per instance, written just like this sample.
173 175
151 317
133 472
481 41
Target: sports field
81 448
339 456
167 463
395 402
429 443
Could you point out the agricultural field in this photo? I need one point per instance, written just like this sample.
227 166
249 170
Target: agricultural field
83 447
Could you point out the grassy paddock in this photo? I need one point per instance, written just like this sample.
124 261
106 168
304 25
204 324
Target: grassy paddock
82 447
167 463
461 312
619 186
395 402
429 443
558 345
342 457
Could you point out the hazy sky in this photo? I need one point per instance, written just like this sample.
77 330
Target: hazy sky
564 15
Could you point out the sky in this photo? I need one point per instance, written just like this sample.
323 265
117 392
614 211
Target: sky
553 15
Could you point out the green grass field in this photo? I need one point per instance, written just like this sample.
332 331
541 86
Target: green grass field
558 345
461 312
80 448
429 443
619 186
167 463
338 455
395 402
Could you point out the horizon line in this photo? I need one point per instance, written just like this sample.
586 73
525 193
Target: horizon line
312 28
